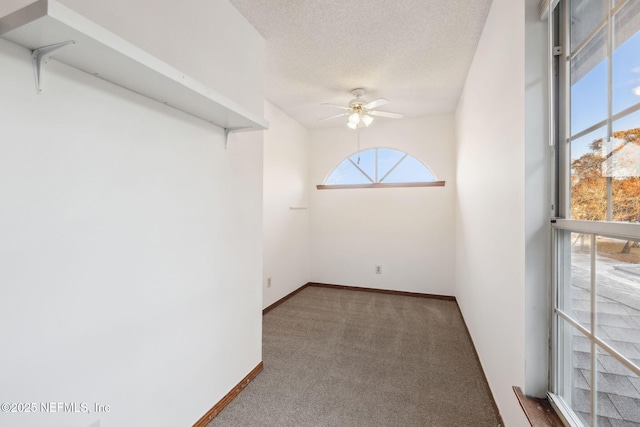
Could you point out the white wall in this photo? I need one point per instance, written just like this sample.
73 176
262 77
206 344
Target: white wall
490 215
131 250
407 231
8 6
537 205
286 185
208 41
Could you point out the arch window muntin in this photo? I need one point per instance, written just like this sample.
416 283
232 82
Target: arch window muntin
370 170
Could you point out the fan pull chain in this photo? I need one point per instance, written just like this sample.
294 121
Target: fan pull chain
358 130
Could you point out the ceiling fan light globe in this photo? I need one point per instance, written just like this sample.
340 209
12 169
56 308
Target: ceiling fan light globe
366 119
352 125
354 118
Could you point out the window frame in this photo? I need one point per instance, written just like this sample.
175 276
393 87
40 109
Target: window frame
379 183
563 225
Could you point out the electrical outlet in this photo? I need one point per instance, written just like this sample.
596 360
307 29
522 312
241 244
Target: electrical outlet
378 269
268 282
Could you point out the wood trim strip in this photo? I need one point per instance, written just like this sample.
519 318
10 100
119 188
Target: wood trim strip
283 299
381 185
356 288
218 407
383 291
215 409
484 375
539 412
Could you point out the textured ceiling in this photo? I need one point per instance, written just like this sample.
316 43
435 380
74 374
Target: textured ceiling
415 53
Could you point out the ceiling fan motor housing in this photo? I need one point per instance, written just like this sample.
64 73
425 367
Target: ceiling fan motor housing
360 111
358 92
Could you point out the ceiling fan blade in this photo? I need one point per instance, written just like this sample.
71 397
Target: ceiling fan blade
333 117
335 105
386 114
375 103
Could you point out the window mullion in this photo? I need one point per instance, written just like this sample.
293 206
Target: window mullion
353 173
564 114
394 166
361 171
577 390
376 162
610 30
593 364
588 130
626 112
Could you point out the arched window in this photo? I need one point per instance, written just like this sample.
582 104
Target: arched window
380 167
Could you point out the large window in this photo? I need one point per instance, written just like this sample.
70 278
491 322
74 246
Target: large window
380 167
596 318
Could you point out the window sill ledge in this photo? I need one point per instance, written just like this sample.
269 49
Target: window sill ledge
381 185
538 411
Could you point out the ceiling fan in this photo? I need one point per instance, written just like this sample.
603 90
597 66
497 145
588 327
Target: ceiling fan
360 111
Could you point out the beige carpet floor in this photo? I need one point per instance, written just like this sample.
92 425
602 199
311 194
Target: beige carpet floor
336 357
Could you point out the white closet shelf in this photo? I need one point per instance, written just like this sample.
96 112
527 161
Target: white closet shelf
103 54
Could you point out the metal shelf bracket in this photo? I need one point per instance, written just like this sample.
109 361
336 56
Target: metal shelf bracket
40 57
228 131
